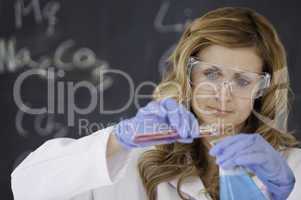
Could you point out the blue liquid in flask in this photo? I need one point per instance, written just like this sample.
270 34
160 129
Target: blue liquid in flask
236 184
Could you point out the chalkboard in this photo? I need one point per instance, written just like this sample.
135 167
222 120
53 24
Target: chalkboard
53 55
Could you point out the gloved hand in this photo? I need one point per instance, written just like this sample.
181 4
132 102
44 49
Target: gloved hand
157 116
256 154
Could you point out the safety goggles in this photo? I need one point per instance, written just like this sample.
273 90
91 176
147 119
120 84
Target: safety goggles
209 78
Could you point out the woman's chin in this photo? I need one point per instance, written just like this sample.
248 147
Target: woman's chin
220 129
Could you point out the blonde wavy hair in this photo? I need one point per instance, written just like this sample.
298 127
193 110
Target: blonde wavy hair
230 27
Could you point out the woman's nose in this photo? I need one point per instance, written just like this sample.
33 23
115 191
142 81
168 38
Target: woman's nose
225 91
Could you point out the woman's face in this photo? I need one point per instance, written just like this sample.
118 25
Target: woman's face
226 107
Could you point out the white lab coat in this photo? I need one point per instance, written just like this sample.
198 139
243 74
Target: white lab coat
77 169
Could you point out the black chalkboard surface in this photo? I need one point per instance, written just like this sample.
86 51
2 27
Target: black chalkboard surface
53 55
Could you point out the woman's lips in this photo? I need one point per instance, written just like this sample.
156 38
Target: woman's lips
219 111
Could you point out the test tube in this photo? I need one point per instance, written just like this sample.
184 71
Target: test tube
205 131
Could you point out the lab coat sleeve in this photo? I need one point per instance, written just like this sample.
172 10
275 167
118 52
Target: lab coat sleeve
294 161
62 168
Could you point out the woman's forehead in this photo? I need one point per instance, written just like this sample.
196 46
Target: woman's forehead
245 59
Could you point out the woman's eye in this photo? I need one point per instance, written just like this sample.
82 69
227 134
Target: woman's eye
212 75
242 82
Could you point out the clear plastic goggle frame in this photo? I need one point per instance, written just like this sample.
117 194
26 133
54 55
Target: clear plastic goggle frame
209 78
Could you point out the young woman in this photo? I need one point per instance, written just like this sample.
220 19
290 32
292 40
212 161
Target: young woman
228 70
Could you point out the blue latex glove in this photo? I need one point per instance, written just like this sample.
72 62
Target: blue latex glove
256 154
156 116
